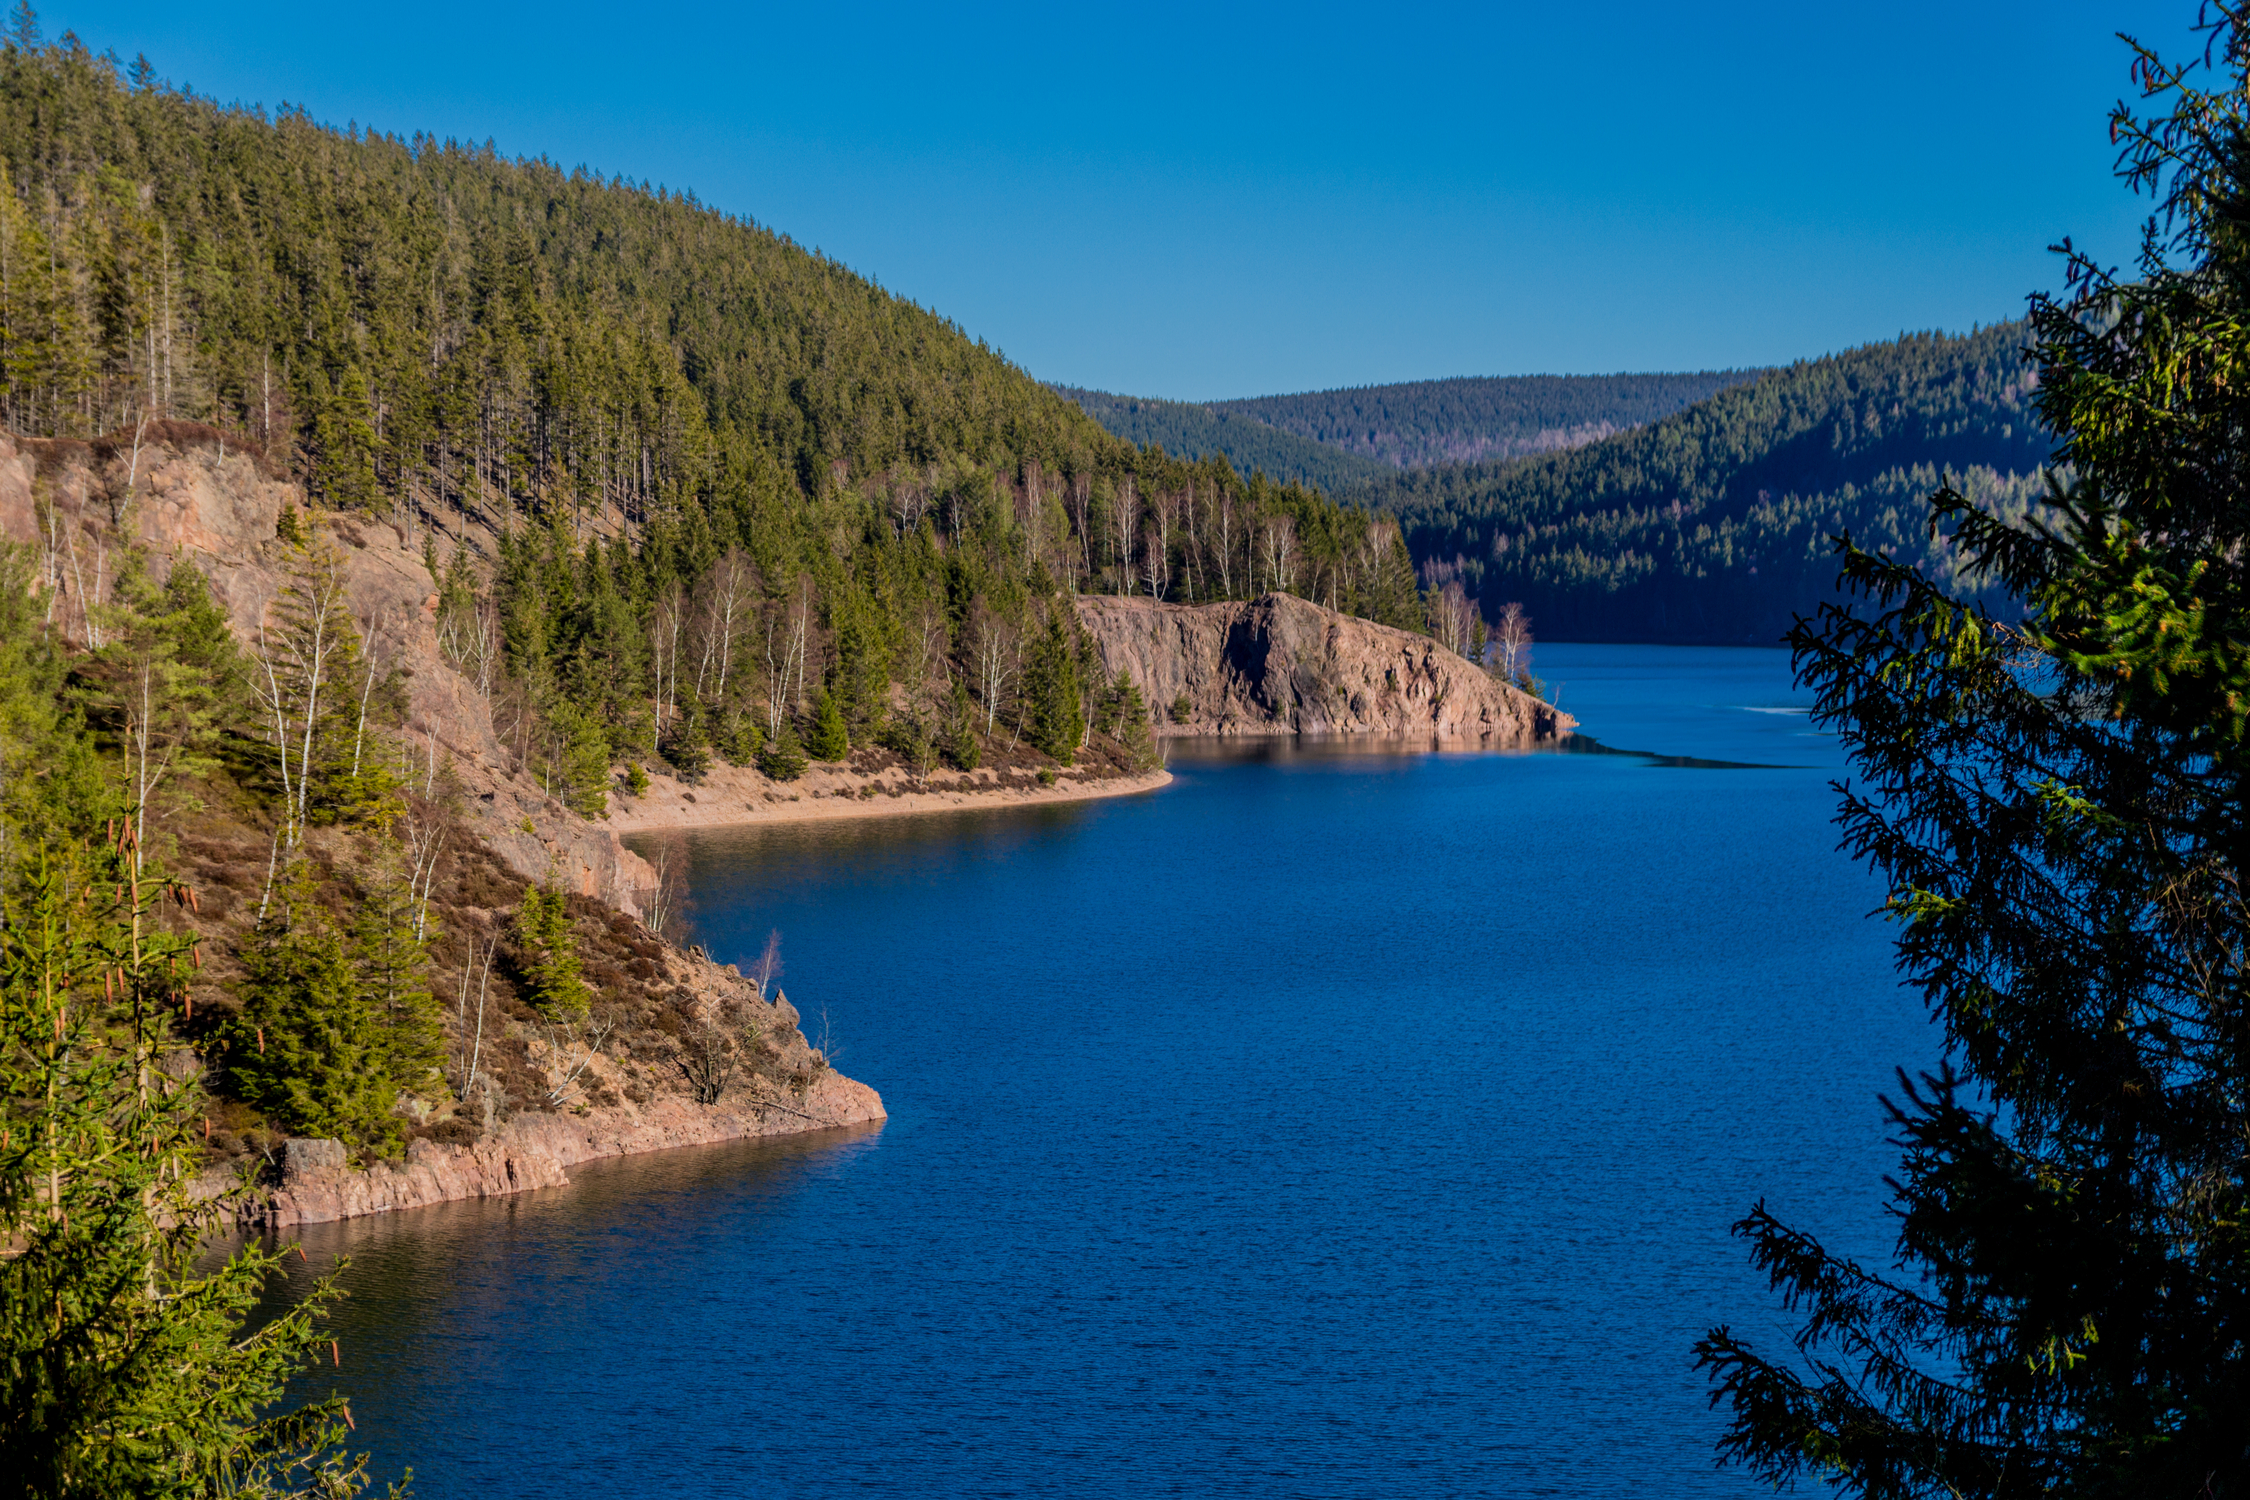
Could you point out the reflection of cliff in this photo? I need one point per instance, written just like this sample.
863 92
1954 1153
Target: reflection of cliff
1281 665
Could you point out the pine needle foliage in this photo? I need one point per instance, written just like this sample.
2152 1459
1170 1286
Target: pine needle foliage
2059 808
547 955
125 1368
829 739
308 1046
1055 722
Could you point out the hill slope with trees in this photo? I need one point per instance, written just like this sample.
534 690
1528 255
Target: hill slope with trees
1189 430
1417 424
1344 441
1714 524
651 409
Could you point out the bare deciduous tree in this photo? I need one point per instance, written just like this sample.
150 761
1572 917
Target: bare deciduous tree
582 1037
302 635
716 1039
423 839
767 968
1081 498
993 649
1278 536
484 986
1511 643
722 604
1124 518
788 633
1225 508
1454 618
666 626
660 903
470 638
1031 512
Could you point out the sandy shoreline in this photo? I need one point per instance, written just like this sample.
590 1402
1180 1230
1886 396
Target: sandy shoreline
732 795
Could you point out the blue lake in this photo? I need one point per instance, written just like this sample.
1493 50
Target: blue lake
1332 1122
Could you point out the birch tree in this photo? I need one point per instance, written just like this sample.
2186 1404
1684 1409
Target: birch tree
788 632
993 648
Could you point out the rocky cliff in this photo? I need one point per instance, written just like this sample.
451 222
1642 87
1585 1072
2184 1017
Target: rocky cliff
543 1098
184 492
1282 665
316 1186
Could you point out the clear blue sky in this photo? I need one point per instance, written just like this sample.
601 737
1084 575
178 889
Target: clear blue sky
1205 201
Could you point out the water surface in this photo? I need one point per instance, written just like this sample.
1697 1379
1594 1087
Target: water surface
1332 1122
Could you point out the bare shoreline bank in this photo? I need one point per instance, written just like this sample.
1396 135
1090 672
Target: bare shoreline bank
534 1151
537 1150
732 796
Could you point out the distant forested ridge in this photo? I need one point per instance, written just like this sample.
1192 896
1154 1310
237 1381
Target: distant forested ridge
1422 423
1344 441
1188 430
1714 524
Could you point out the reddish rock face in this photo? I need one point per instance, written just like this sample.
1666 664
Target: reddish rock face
1282 665
183 493
220 509
536 1151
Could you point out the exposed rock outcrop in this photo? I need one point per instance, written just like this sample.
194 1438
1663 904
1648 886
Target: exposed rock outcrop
1282 665
185 491
537 1151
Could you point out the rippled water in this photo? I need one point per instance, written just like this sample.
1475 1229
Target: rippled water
1331 1122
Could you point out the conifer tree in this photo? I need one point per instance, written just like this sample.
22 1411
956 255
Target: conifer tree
128 1367
2059 809
689 746
829 740
548 955
307 1047
1125 716
162 679
389 949
577 762
783 758
962 749
1055 718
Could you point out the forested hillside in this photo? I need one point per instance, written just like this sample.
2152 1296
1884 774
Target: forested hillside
672 488
1714 524
1344 441
1187 430
1421 423
659 411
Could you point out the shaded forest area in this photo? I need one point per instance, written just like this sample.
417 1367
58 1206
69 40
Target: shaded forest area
1188 430
1715 524
1417 424
1344 442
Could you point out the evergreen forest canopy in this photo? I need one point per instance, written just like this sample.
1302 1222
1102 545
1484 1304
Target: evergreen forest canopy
1193 431
1716 524
1420 424
655 409
1345 441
